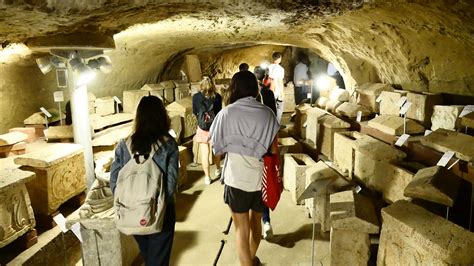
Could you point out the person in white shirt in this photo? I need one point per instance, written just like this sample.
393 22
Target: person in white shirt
276 73
301 78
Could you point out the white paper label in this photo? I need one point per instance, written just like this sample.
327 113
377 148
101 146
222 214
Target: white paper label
467 110
293 114
58 96
45 112
308 95
172 133
427 132
357 189
76 229
405 108
117 100
305 124
451 166
402 101
61 222
359 116
445 159
401 140
379 99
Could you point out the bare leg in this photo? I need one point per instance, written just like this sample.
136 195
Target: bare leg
204 149
255 232
242 231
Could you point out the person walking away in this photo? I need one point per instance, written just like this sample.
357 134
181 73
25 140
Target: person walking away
148 144
244 130
276 73
301 78
206 105
244 67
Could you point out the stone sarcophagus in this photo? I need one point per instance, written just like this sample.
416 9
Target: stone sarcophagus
184 108
294 174
368 94
300 120
344 152
166 93
182 89
104 106
60 175
412 235
16 214
289 100
390 102
183 162
132 98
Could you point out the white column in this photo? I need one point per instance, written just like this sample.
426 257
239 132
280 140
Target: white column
81 126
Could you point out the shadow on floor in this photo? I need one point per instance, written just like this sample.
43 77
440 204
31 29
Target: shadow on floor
183 240
184 204
304 232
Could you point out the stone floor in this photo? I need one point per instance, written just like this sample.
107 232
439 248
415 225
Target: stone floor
202 217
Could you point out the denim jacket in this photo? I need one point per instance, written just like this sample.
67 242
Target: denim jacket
166 158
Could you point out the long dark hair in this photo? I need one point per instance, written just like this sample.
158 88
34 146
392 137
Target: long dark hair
151 124
243 84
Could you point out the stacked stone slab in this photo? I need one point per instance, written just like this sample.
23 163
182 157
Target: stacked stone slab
446 117
468 120
38 121
131 99
60 175
321 102
104 106
412 235
394 125
422 107
444 140
107 139
353 218
344 152
368 94
320 129
15 205
389 104
289 100
102 242
351 109
434 184
300 120
294 174
58 133
184 108
337 98
327 181
98 122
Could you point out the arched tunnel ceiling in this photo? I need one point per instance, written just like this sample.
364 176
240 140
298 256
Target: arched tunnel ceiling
418 45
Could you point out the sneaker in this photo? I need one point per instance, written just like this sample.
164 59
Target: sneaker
267 231
218 173
207 180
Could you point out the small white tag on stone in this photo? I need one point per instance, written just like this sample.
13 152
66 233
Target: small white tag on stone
61 222
402 101
76 229
405 108
45 112
401 140
379 99
359 116
445 159
117 100
305 124
451 166
358 189
427 132
293 114
172 133
58 96
467 110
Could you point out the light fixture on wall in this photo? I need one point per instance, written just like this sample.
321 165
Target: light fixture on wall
84 73
102 63
44 64
323 82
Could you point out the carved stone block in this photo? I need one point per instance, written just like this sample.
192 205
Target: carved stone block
182 91
132 98
368 94
444 140
111 136
412 235
393 125
60 175
183 162
54 133
99 122
192 67
446 116
104 106
16 214
166 93
300 120
288 145
184 108
91 99
389 105
332 105
103 242
344 152
468 120
351 109
321 102
289 100
422 106
340 95
294 174
38 118
349 247
99 201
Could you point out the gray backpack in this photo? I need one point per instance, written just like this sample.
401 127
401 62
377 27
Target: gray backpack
139 198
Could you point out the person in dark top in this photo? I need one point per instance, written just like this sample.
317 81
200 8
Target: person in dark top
201 101
244 67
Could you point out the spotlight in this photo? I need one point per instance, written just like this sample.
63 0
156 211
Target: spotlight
83 72
102 63
323 82
264 65
44 64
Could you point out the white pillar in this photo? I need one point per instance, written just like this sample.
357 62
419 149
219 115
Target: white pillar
81 126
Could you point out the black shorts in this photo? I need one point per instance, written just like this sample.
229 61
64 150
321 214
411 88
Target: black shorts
241 201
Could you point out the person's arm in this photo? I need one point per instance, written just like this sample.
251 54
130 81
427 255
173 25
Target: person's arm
172 171
218 103
195 104
116 166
